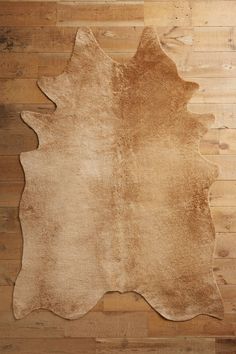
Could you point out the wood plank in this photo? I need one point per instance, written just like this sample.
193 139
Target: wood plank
209 144
225 245
167 13
8 271
10 193
24 65
225 271
10 115
227 141
38 324
14 142
9 221
10 246
223 193
215 90
209 13
225 114
226 164
110 325
214 39
21 91
32 65
224 218
184 13
100 13
112 39
228 293
205 64
34 39
200 326
6 294
225 345
177 41
48 345
11 169
25 13
125 302
155 346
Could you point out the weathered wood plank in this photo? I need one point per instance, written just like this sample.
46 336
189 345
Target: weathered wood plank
10 114
21 91
225 114
209 144
228 293
226 164
224 218
214 39
225 345
200 326
205 64
34 39
209 13
39 324
225 271
25 13
22 65
167 13
177 41
12 143
223 193
215 90
8 271
6 293
9 221
227 141
185 13
10 246
110 325
48 345
10 193
100 13
155 346
10 169
125 302
225 245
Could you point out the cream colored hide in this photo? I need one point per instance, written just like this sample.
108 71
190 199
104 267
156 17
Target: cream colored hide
116 195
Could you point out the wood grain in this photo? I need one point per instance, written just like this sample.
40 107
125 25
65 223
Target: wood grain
36 38
22 13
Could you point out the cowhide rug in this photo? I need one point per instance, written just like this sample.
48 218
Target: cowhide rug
116 195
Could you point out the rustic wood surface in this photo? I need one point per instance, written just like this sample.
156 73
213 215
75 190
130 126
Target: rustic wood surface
36 38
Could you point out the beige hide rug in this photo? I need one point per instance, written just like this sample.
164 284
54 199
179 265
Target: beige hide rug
116 195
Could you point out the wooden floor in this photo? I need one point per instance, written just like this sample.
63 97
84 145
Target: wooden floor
36 39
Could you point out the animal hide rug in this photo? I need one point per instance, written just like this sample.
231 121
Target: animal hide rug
116 194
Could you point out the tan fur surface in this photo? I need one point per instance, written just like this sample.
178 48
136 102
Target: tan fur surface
116 195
